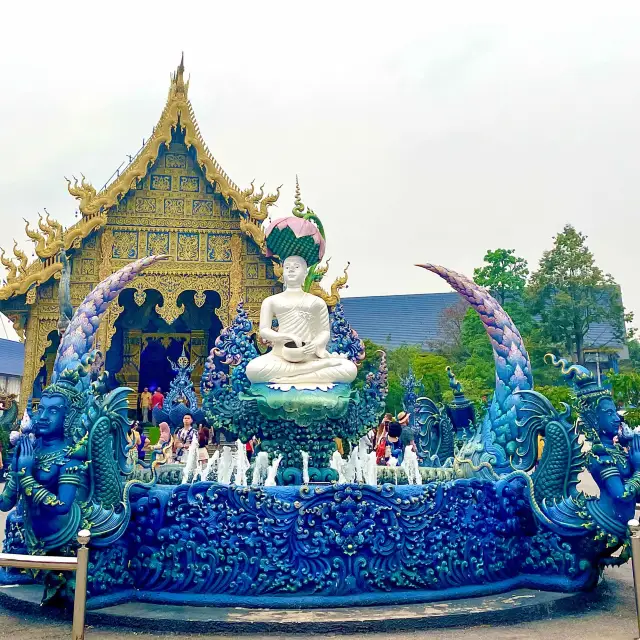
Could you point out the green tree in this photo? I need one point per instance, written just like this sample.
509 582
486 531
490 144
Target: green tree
634 353
395 395
556 395
504 274
478 367
625 388
571 293
431 369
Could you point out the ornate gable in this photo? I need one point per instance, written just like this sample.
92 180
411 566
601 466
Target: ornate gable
173 181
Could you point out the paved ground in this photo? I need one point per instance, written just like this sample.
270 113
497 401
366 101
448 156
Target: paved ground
613 619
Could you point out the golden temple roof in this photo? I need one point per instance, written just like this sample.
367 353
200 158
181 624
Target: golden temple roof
177 112
51 238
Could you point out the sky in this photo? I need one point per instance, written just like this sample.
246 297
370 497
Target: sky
420 131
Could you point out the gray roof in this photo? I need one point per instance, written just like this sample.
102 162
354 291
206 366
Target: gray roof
415 319
392 321
11 357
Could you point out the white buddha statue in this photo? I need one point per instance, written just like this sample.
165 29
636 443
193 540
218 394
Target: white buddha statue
299 356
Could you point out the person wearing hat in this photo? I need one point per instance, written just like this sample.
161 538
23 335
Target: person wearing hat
403 419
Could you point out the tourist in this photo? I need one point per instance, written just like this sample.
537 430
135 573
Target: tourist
184 437
383 428
403 419
203 441
134 435
157 400
250 447
143 441
165 441
390 446
145 404
407 439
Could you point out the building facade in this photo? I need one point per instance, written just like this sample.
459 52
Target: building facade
174 199
11 367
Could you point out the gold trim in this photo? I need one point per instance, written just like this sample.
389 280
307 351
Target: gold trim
178 112
48 243
331 298
94 206
22 285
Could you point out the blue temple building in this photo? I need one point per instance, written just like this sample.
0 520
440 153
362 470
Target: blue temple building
421 319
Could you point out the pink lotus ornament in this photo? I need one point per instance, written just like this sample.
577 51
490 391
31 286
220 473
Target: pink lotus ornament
299 235
293 236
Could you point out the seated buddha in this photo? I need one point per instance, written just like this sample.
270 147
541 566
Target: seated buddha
299 356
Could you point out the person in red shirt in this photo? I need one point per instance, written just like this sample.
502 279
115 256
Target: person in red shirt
157 400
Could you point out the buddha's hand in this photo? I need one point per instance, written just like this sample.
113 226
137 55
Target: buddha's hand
634 452
289 337
309 349
25 456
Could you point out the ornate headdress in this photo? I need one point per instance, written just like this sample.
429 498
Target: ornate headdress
299 235
583 381
587 391
74 385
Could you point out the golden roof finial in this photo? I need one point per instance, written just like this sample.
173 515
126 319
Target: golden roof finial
11 267
298 209
178 85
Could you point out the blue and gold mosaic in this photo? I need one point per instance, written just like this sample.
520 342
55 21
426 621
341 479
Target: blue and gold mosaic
174 206
188 246
157 242
202 207
160 183
175 161
219 247
190 184
125 245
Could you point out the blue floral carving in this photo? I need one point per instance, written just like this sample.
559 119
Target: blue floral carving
344 339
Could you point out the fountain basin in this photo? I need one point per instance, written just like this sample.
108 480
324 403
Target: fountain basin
334 545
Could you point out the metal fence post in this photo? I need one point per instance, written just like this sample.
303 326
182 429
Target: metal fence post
80 596
634 527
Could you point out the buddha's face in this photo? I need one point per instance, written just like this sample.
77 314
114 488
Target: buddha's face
608 418
294 271
49 420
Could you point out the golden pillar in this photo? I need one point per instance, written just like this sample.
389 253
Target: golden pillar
199 341
37 341
130 371
236 279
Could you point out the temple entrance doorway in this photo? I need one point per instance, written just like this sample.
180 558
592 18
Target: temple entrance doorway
157 350
143 339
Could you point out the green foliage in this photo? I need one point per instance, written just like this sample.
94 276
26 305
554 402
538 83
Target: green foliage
634 353
504 274
478 366
431 369
4 440
565 296
632 417
395 395
556 395
370 363
400 359
625 388
571 293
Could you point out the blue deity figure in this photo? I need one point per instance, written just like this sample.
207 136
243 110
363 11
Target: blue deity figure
50 471
614 465
71 474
